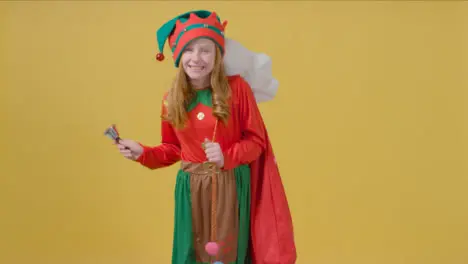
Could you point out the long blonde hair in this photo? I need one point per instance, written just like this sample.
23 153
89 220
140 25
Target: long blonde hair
181 94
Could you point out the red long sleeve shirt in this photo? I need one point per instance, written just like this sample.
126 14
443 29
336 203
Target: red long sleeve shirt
241 139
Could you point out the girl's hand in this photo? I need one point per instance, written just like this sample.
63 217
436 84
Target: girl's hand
214 153
130 149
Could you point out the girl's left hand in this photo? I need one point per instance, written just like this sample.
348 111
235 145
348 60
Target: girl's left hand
214 153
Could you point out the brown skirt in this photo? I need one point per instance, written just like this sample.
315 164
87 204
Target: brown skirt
229 226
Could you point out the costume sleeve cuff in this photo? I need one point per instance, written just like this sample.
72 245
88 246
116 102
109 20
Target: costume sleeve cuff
228 161
141 158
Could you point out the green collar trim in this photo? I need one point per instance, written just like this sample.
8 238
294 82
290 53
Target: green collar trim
202 97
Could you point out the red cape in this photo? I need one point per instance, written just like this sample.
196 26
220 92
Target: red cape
272 236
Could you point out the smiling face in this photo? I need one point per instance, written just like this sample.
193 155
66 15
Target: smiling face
198 59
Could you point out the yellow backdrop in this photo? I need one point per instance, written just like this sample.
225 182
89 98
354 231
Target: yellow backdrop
369 128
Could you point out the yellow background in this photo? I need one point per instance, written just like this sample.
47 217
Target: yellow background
369 128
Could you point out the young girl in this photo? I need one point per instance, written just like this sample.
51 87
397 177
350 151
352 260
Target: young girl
228 190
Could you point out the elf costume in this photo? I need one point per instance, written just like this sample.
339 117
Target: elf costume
242 206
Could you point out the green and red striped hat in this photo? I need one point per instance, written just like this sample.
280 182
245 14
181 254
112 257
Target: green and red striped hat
183 29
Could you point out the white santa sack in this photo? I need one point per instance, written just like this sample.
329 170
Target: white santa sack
255 68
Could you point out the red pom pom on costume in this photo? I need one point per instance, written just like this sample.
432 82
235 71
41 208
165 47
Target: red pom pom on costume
160 56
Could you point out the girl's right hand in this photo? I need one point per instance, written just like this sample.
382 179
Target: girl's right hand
130 149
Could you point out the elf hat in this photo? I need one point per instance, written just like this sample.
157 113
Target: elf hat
255 68
181 30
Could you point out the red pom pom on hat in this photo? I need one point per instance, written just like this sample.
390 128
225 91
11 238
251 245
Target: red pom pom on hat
160 56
